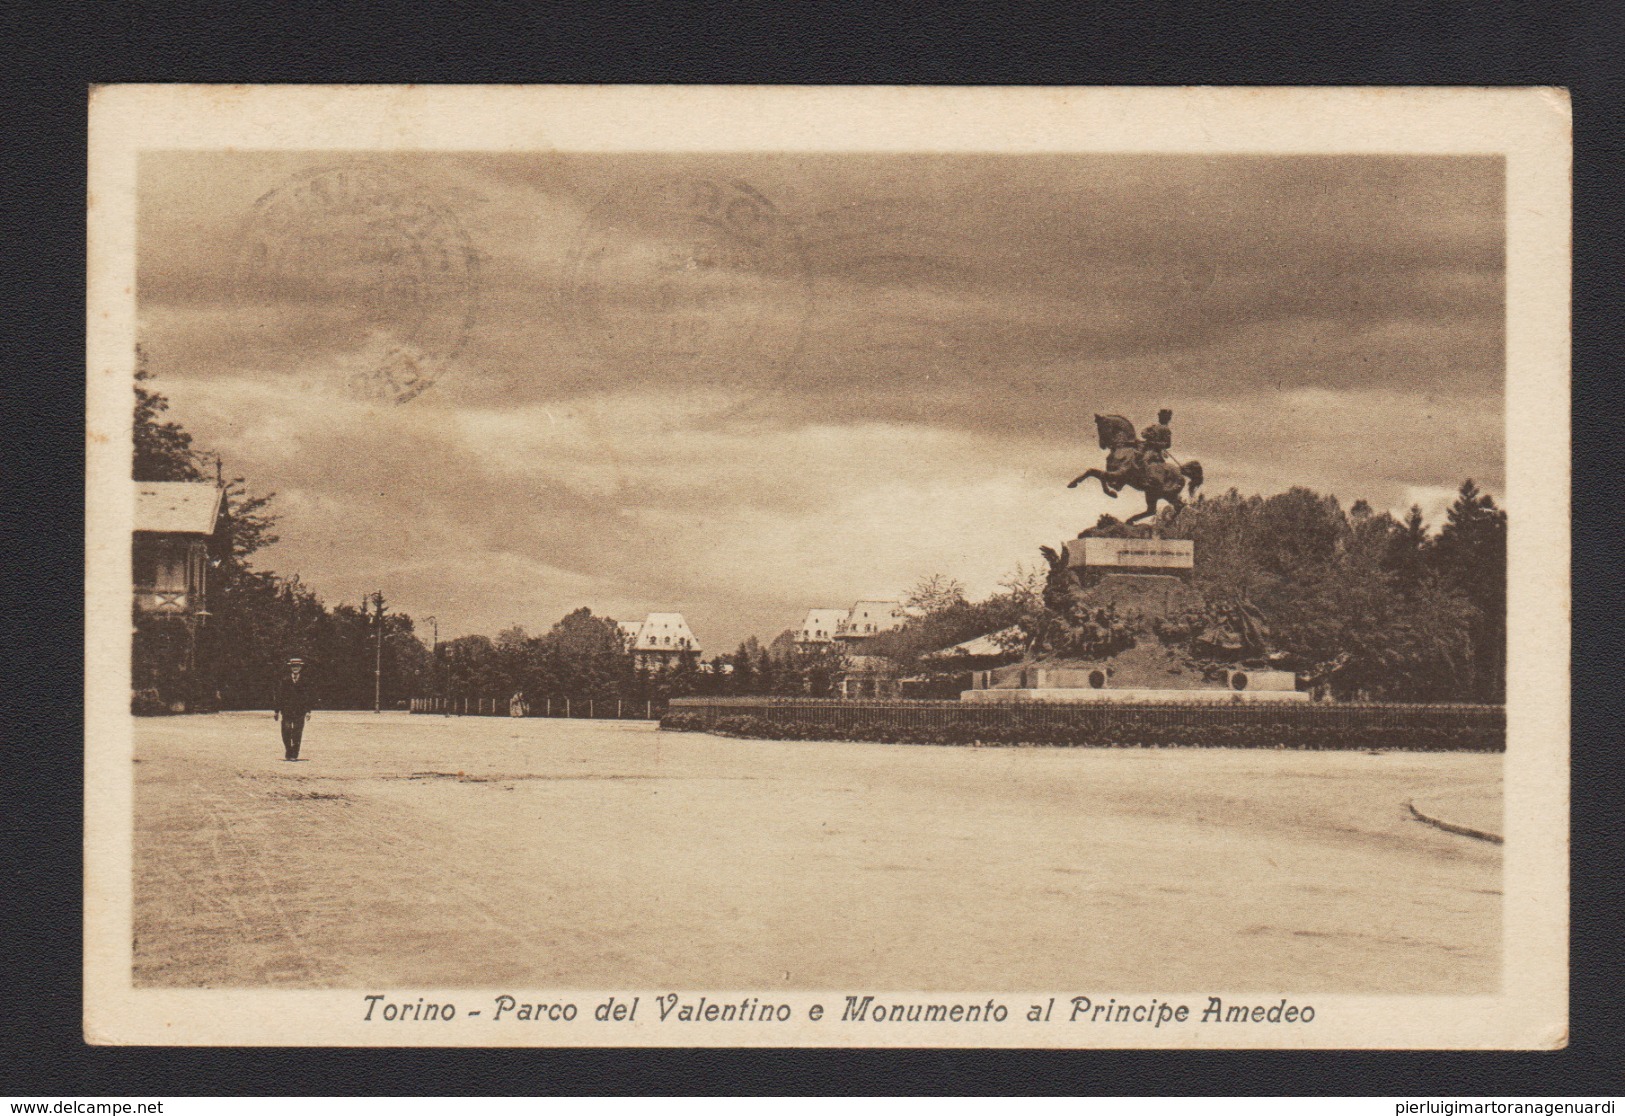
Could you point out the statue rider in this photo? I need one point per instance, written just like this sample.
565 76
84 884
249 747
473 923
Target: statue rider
1157 440
1134 457
1142 462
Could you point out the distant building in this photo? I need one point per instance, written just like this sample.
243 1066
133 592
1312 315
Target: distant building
176 523
817 631
868 676
867 619
659 642
176 540
993 649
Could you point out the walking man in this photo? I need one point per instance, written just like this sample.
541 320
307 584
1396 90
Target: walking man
293 704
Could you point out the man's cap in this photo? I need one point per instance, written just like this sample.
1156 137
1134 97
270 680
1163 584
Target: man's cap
296 662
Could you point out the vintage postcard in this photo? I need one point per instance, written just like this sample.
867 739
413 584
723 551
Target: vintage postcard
827 567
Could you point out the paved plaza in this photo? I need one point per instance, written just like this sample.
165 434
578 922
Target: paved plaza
422 851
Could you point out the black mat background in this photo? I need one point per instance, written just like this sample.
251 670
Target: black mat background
55 50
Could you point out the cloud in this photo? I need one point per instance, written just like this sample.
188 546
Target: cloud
742 385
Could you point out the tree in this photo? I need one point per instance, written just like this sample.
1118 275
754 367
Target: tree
1407 554
1024 588
782 651
746 663
468 661
1472 545
940 617
582 634
1470 554
934 593
684 678
163 450
1298 530
1361 590
1393 645
408 664
582 656
248 525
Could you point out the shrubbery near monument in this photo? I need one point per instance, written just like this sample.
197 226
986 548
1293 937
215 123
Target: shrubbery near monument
1307 727
1364 606
1404 615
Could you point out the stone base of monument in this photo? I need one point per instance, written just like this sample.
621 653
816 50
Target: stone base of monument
1072 696
1142 594
1136 582
1256 681
1143 674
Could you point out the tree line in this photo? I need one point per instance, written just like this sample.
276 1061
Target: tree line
1391 609
1372 607
257 618
1387 608
366 651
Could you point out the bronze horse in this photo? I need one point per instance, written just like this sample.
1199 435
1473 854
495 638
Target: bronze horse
1126 467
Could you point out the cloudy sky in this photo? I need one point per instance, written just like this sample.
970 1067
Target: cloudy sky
499 387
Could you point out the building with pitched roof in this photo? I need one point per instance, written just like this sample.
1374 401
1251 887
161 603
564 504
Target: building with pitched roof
661 640
818 628
176 529
867 619
177 537
994 645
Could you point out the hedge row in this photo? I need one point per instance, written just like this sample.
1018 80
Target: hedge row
1483 735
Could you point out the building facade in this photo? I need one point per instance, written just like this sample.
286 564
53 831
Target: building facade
176 540
170 550
818 628
869 676
867 619
660 640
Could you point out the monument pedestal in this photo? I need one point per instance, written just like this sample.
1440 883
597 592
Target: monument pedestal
1148 579
1072 696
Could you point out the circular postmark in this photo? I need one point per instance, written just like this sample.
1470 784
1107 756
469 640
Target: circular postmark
688 274
366 266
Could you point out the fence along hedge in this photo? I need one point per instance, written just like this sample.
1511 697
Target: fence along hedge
1479 728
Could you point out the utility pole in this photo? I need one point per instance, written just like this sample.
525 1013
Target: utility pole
378 660
434 660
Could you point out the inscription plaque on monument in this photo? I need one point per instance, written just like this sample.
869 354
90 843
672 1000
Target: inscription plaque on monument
1128 554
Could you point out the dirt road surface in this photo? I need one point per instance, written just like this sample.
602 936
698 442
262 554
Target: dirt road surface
421 851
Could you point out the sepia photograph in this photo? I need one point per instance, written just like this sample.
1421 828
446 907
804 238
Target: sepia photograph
843 567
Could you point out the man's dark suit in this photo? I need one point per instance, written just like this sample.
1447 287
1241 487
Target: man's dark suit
294 701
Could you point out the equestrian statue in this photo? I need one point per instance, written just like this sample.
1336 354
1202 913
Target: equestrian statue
1143 463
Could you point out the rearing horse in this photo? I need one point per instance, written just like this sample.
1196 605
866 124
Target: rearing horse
1161 481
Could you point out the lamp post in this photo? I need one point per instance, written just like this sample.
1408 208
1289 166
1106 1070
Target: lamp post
434 655
378 659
